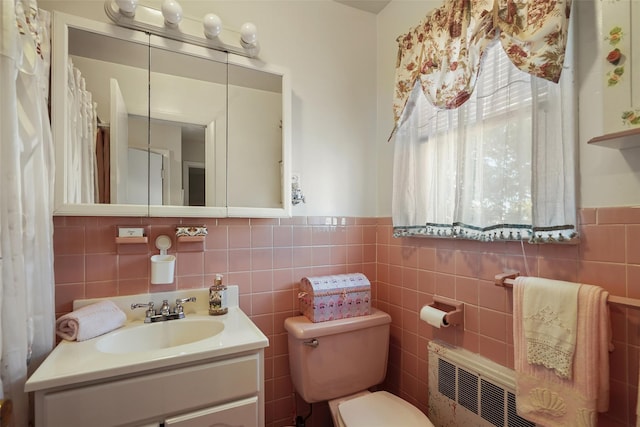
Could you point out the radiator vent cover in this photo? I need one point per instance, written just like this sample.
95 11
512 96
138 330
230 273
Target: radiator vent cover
468 386
447 379
483 388
492 403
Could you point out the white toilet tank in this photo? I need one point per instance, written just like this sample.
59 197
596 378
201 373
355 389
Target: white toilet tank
339 357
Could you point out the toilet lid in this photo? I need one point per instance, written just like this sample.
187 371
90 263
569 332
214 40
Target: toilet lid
381 409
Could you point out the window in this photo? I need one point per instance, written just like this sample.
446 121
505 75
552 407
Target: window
500 167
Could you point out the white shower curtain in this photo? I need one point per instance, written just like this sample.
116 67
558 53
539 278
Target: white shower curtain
26 227
83 129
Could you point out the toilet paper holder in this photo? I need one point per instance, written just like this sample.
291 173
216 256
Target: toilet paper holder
453 308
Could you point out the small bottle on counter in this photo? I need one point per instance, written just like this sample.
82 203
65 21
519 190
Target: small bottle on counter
218 297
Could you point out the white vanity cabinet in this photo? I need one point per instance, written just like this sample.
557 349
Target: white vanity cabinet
227 391
107 381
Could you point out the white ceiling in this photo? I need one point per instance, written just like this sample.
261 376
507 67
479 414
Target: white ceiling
373 6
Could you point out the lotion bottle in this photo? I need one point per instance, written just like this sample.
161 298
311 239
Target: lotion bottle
218 297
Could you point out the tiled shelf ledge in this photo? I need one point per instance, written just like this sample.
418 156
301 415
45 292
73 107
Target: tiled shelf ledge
619 140
190 239
131 240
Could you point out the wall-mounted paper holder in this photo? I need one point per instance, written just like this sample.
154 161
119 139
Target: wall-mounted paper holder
453 308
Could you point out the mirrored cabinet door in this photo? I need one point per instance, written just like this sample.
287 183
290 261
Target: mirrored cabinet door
255 138
187 129
258 139
99 84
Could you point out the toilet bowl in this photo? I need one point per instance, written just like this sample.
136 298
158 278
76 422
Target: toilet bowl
378 409
339 361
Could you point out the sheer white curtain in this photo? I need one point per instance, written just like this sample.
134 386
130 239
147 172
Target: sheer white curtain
26 227
500 167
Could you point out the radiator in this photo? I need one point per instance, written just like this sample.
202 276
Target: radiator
466 389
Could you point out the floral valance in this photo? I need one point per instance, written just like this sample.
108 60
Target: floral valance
445 50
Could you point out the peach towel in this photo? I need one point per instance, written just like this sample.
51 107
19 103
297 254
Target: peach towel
90 321
544 398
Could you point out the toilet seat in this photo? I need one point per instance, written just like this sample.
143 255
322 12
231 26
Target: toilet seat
381 409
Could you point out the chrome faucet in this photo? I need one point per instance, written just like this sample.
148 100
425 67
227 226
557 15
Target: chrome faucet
165 313
165 310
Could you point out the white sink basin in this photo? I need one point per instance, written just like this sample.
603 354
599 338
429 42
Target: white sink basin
160 335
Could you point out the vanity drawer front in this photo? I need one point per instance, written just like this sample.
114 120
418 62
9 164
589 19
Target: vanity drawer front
242 413
154 395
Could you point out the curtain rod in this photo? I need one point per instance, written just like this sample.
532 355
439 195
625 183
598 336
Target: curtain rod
507 280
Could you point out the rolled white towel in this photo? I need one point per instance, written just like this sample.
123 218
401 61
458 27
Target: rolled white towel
90 321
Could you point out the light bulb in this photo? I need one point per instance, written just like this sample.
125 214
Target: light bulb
172 12
212 25
127 7
248 34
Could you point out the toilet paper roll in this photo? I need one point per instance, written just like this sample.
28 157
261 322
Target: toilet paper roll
434 317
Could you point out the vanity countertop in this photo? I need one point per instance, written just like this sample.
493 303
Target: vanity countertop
72 363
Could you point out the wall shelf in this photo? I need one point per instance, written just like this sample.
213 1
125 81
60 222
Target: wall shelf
131 240
619 140
190 239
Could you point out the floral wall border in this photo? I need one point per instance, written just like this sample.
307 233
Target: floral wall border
617 58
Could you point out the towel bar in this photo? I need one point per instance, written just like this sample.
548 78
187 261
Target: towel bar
507 279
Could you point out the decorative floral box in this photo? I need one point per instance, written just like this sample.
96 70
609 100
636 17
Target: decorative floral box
325 298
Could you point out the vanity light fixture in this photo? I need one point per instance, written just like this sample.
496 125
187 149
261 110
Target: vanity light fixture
127 7
169 21
212 25
172 12
248 35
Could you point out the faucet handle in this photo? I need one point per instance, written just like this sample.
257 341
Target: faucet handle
150 311
180 301
139 305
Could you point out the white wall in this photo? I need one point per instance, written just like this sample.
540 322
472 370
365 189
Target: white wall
608 177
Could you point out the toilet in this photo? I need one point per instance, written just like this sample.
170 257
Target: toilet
338 361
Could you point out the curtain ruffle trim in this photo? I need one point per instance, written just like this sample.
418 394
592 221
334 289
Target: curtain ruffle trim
565 234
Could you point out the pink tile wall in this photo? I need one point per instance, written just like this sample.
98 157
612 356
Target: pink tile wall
608 256
266 258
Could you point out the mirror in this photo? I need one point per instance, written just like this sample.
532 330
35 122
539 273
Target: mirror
188 126
97 81
255 138
190 131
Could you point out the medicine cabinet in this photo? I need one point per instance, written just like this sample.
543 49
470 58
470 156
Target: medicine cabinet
182 130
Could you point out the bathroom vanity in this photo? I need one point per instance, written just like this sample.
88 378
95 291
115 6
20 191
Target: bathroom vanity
188 378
